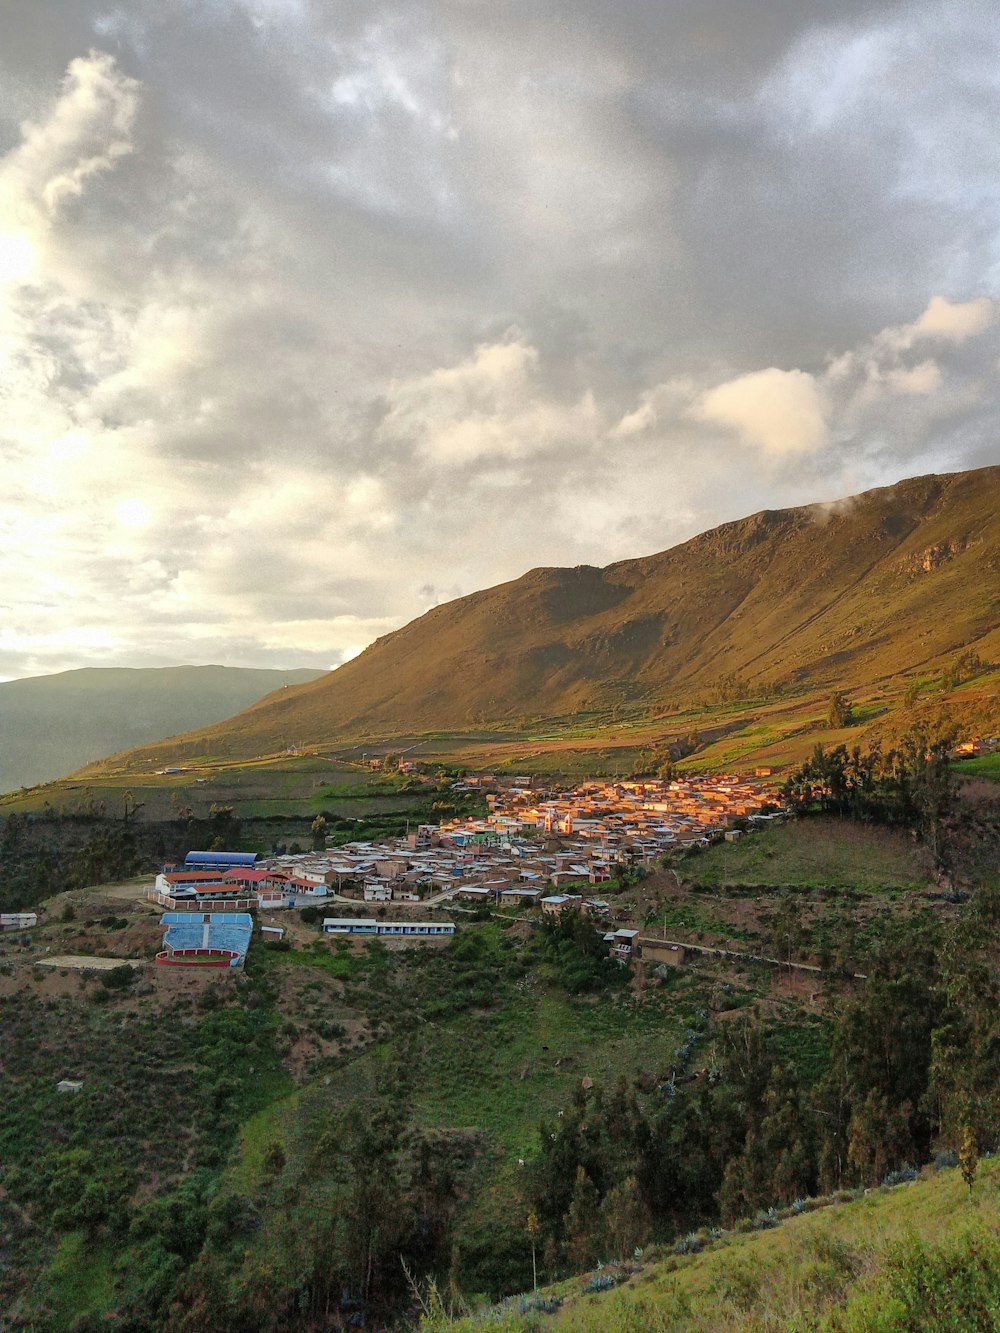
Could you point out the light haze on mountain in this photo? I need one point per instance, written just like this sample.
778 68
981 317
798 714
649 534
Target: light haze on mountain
50 725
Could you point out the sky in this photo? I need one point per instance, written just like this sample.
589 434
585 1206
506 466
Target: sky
315 315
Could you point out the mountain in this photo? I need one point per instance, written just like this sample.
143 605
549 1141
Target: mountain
52 724
827 595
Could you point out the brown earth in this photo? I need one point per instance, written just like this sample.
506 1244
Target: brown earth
823 596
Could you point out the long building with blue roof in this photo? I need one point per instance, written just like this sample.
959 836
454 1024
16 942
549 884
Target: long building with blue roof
221 860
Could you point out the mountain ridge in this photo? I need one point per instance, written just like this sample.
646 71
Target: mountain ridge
52 724
825 595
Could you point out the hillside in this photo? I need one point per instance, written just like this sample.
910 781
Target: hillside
784 601
342 1104
52 724
924 1255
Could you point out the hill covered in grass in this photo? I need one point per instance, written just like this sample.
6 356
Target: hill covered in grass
50 725
783 602
921 1255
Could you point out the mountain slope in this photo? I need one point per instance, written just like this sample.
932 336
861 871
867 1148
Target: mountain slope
52 724
821 595
919 1256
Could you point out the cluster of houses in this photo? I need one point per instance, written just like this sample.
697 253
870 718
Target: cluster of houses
537 846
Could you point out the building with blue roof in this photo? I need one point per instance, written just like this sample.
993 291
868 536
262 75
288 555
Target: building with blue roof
221 860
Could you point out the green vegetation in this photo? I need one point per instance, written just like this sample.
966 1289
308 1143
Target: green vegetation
158 1112
986 766
815 853
915 1257
53 724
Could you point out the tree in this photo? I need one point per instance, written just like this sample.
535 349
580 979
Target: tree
968 1158
583 1223
840 713
318 832
911 694
626 1221
786 931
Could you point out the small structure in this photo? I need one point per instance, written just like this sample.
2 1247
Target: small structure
69 1085
273 932
561 902
378 893
18 920
344 925
622 944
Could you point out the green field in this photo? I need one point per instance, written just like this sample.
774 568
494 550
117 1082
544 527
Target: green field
986 766
814 853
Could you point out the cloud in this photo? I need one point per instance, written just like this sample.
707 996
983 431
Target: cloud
954 321
489 408
780 411
84 134
310 309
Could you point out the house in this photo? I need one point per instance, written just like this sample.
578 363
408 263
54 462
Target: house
18 920
561 902
520 895
300 887
169 881
377 893
474 894
622 944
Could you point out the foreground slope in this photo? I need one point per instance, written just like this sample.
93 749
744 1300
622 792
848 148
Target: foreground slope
924 1256
824 595
52 724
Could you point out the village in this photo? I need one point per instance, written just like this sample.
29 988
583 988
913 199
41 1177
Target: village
538 848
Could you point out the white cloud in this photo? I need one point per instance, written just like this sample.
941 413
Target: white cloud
86 133
489 408
780 411
955 321
257 392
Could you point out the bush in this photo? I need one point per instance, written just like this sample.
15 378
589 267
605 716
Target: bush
118 978
901 1177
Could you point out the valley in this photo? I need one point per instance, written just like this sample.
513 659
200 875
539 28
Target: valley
584 990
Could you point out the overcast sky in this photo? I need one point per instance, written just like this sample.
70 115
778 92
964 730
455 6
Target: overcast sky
313 315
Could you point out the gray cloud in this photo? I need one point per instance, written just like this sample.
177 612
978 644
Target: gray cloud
314 315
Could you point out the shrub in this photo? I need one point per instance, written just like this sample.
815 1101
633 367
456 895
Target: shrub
901 1177
118 978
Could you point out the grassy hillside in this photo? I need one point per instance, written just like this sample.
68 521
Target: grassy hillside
50 725
782 606
261 1142
919 1256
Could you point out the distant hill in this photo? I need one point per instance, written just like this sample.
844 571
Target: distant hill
827 595
50 725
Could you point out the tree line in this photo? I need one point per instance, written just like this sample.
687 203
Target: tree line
912 1068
